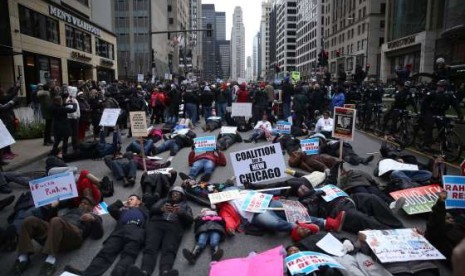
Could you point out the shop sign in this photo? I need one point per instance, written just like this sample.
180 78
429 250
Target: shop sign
58 13
105 62
80 56
401 42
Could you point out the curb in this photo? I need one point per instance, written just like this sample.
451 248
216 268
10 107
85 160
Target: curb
18 165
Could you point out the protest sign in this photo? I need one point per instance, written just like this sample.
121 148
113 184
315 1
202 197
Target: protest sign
66 273
462 167
241 110
331 192
283 127
331 245
224 196
166 171
295 211
400 245
100 209
344 126
387 165
259 164
268 263
351 106
140 77
5 137
256 202
51 188
306 262
109 117
310 146
418 200
138 123
206 143
228 129
454 185
295 76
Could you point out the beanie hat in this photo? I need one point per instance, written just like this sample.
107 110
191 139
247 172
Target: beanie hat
177 189
312 227
315 178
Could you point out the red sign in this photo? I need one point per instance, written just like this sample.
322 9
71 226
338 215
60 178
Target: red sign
462 167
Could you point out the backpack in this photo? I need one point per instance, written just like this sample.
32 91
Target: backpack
242 124
89 149
106 187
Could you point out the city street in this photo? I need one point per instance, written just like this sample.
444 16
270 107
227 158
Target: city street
238 246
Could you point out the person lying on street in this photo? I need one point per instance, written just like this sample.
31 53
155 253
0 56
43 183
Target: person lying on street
156 185
261 131
225 140
205 162
175 142
123 167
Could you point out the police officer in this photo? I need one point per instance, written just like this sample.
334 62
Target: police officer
402 99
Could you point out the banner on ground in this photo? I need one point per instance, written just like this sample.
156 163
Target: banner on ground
310 146
109 117
283 127
241 110
418 200
344 123
454 185
224 196
388 165
206 143
331 192
166 171
53 188
305 262
256 202
295 211
5 136
228 129
100 209
400 245
138 123
351 106
259 164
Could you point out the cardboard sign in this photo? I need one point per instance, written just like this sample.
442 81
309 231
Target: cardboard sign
5 137
51 188
305 262
100 209
140 77
387 165
462 167
109 117
241 110
454 185
418 200
400 245
138 123
310 146
295 76
228 129
331 192
206 143
283 127
259 164
344 123
256 202
351 106
331 245
166 171
224 196
295 211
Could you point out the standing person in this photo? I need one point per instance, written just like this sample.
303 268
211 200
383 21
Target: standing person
222 96
45 101
206 100
287 93
169 218
191 103
338 98
96 106
158 102
84 120
7 102
260 102
243 94
61 125
73 117
175 98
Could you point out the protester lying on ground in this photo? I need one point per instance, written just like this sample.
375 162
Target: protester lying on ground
205 162
323 270
225 140
198 191
299 130
134 146
325 125
6 201
169 218
123 167
125 240
261 131
62 234
183 123
316 162
177 141
16 177
150 164
331 147
289 143
156 185
212 123
209 228
357 181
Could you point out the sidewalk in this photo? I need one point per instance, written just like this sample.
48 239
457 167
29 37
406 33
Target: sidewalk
28 151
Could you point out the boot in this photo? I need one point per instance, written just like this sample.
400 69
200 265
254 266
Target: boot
191 256
335 224
217 253
367 160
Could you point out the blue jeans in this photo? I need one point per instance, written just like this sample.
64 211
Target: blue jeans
168 145
205 165
207 111
122 168
16 177
134 146
107 149
407 179
221 110
213 236
191 112
286 110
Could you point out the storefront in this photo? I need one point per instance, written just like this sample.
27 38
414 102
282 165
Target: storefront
105 71
40 69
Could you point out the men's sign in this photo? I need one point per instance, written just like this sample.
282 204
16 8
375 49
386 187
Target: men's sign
241 110
259 164
344 126
295 211
224 196
5 137
138 123
109 117
228 129
206 143
331 192
256 202
283 127
418 200
305 262
310 146
52 188
455 187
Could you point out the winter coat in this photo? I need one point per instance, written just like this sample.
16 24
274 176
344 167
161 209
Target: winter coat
219 159
260 98
209 223
117 211
356 178
183 217
338 99
243 96
269 92
45 101
300 103
311 163
61 124
206 98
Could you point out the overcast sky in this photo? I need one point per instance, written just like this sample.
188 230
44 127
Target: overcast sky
251 12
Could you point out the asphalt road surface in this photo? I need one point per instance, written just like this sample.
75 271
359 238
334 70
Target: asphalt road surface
238 246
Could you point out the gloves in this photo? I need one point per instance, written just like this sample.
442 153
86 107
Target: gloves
69 106
347 246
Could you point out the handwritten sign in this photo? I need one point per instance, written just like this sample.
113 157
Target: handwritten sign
140 77
331 192
344 123
5 137
256 202
206 143
100 209
228 129
387 165
138 123
224 196
310 146
166 171
283 127
305 262
418 200
241 110
295 211
454 185
52 188
351 106
109 117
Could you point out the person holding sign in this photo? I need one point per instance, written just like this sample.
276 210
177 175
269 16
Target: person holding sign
226 139
156 184
325 125
205 162
262 130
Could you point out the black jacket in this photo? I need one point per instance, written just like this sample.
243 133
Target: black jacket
202 226
61 124
184 217
92 229
117 210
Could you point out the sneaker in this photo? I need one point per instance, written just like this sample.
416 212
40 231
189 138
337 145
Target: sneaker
132 181
6 201
247 141
166 164
126 182
367 160
184 176
47 269
335 224
19 267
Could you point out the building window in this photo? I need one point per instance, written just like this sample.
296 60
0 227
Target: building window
78 39
38 25
381 24
170 20
104 49
169 8
383 8
84 2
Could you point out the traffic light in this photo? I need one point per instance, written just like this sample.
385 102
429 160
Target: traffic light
338 54
209 30
367 67
325 58
276 68
320 59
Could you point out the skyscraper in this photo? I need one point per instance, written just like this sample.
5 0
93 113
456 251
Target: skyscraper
237 46
249 71
220 25
256 56
286 23
209 42
265 38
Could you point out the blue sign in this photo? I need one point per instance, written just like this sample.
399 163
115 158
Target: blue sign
283 127
454 185
306 262
310 146
207 143
331 192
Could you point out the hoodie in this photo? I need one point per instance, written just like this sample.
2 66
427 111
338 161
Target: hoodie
72 90
183 217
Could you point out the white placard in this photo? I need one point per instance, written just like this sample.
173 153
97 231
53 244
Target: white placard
166 171
259 164
228 129
154 158
138 123
5 137
109 117
344 123
140 77
331 245
241 110
51 188
224 196
387 165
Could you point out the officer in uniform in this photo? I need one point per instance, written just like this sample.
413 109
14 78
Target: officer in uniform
402 99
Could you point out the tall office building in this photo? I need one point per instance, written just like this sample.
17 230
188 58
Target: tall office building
271 73
265 38
286 23
220 25
209 42
195 43
237 46
256 56
178 19
249 71
224 58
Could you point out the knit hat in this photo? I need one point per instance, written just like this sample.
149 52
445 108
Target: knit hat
177 189
315 178
312 227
